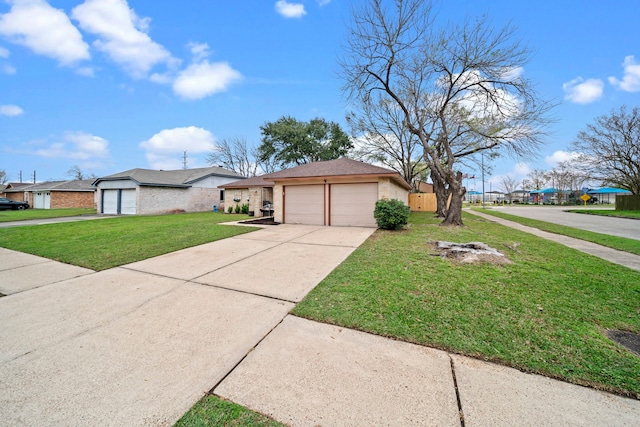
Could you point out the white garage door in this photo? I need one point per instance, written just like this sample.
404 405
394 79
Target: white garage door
353 204
128 202
42 200
110 202
304 204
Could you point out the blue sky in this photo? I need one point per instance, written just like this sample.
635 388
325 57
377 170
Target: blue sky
111 85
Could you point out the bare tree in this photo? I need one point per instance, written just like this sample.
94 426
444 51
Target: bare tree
234 154
460 88
384 139
567 180
77 173
610 149
538 178
3 177
509 185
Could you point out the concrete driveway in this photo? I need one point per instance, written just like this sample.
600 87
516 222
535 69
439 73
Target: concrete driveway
141 343
621 227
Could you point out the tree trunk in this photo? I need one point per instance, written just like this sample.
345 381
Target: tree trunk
454 213
440 189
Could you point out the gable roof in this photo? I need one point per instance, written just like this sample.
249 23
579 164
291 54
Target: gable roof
336 168
256 181
170 178
69 185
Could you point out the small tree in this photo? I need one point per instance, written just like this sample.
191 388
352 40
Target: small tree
508 184
3 176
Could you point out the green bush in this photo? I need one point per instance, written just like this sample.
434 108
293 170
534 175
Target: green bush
237 209
230 209
391 214
245 209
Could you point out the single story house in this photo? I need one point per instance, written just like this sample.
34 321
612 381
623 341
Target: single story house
340 192
54 194
12 191
146 191
257 192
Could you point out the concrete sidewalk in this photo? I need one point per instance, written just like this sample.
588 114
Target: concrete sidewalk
138 345
618 257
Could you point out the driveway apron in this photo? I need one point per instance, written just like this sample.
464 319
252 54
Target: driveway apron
141 343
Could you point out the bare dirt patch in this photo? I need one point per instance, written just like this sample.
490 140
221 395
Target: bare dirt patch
628 340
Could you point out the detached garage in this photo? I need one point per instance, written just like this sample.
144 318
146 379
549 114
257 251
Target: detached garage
339 192
145 191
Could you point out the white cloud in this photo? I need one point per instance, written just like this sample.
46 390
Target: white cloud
164 150
631 80
45 30
85 71
560 156
290 10
4 53
200 51
10 110
581 91
122 35
7 69
78 146
202 79
521 169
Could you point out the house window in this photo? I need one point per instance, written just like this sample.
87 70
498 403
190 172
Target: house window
222 195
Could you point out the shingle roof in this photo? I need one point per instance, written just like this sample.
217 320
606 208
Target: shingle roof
70 185
334 168
171 178
256 181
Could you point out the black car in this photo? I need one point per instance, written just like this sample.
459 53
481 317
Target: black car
10 204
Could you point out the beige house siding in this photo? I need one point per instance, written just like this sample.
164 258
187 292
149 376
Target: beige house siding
388 189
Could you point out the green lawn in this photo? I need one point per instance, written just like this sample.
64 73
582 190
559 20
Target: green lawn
107 243
545 313
609 212
212 411
6 216
615 242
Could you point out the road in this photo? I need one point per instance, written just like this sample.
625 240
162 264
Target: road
629 228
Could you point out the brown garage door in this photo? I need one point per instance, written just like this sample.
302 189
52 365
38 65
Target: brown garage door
304 204
353 204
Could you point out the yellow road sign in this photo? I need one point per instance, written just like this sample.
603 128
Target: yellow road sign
585 197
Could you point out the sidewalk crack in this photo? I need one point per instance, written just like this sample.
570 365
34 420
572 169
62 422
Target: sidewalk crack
455 386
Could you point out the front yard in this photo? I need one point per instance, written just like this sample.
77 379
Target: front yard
111 242
547 312
8 215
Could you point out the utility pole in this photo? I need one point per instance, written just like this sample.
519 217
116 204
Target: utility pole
34 177
20 176
184 159
482 166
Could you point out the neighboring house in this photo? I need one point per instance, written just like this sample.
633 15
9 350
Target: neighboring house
607 194
145 191
520 196
340 192
256 192
12 191
54 194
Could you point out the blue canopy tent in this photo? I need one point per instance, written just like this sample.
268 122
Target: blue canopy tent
607 194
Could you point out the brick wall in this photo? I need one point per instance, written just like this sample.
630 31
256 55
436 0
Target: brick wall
72 199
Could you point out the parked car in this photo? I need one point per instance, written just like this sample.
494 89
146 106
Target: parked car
10 204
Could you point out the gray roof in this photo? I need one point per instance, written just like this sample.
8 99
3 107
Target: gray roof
256 181
70 185
171 178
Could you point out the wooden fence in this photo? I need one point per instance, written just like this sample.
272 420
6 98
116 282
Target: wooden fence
422 202
623 203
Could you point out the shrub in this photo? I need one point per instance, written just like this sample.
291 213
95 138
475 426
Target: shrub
391 214
245 209
237 209
230 209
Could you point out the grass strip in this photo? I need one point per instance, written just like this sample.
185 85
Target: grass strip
608 212
620 243
212 411
6 216
547 312
111 242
